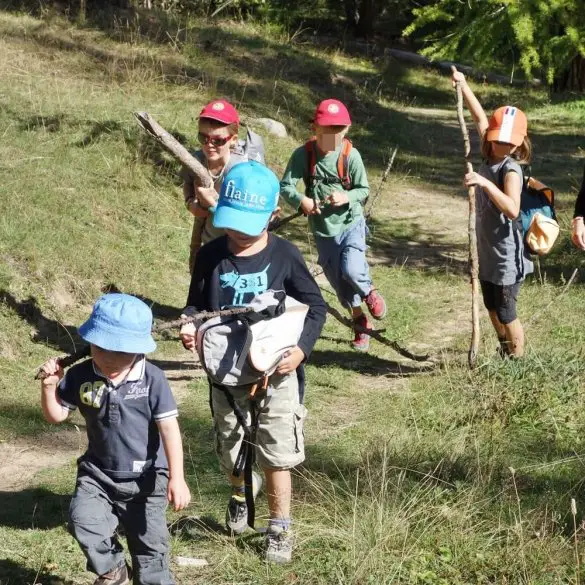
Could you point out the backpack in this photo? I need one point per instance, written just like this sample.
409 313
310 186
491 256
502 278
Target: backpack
252 147
240 350
342 165
537 218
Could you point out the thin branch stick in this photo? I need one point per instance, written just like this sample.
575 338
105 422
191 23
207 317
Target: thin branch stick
376 335
473 256
67 360
201 316
278 223
536 315
152 127
373 200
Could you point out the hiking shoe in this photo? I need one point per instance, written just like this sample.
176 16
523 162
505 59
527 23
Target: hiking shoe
361 341
279 544
236 515
376 304
117 576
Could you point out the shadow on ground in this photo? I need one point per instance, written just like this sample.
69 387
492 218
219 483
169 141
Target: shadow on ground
366 364
12 573
33 508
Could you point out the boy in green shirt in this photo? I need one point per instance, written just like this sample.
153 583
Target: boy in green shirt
336 188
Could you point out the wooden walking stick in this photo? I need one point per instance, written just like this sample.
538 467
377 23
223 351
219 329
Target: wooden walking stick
473 257
174 147
67 360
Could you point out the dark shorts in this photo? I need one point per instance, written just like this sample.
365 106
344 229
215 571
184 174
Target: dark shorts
501 299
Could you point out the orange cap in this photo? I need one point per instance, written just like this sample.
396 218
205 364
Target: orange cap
508 124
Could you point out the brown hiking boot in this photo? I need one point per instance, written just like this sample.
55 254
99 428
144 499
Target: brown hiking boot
117 576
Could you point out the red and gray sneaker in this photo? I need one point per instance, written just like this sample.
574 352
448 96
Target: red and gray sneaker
361 341
376 304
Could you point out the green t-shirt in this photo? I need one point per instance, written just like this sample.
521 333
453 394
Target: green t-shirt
333 220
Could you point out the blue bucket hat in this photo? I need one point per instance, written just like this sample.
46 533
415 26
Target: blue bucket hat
248 197
120 322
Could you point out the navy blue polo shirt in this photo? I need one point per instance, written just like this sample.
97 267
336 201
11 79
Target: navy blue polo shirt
123 439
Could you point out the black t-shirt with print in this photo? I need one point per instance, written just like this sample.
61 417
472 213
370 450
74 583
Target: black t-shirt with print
222 279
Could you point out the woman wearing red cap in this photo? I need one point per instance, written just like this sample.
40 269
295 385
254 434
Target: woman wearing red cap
220 151
504 260
336 186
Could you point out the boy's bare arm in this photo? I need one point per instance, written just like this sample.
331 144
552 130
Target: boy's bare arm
475 108
53 410
178 492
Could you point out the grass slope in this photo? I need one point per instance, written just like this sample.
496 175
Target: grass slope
412 476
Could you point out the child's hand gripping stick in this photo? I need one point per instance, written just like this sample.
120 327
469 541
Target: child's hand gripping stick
64 362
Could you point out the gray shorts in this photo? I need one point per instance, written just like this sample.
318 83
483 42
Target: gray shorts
279 440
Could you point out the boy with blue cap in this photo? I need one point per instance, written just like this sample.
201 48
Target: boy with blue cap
134 459
232 270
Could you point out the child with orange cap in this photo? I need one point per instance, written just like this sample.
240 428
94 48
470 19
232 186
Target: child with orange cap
336 187
504 260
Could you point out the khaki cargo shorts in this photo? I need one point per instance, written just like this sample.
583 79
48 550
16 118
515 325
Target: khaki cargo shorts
280 441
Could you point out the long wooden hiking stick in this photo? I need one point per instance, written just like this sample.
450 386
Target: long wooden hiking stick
169 142
473 257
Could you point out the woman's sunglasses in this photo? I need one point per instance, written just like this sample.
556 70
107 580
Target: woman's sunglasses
213 140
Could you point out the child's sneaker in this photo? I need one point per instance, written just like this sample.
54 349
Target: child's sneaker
361 341
279 544
376 304
118 576
236 515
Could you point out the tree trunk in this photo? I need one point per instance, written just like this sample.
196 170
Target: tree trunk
572 78
361 15
82 14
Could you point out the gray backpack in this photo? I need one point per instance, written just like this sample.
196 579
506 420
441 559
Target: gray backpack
252 148
242 349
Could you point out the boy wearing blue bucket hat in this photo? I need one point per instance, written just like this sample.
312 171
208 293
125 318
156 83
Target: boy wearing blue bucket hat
232 270
134 460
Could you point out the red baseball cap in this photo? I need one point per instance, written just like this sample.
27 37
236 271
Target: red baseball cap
508 124
220 110
331 113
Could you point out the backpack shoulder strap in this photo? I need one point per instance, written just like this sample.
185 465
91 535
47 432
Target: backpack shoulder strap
311 163
343 164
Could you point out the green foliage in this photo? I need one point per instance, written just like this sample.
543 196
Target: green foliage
543 36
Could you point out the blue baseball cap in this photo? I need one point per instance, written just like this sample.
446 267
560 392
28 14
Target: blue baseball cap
248 197
120 322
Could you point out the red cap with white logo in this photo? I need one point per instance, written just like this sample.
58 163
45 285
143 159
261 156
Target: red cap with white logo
331 113
220 110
